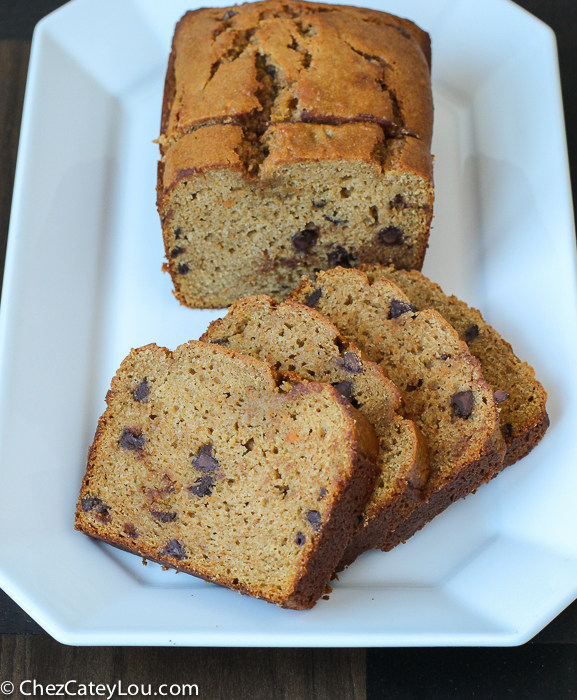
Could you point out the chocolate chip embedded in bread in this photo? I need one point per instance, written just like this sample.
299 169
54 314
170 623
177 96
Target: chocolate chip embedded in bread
89 503
132 439
219 341
183 269
204 460
314 518
163 516
174 549
177 233
350 362
94 503
322 494
175 252
229 14
142 391
202 487
471 333
338 257
300 539
313 298
463 402
130 530
305 240
320 204
344 388
392 235
398 203
398 308
500 396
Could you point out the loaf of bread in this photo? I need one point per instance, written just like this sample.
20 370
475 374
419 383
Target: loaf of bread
522 399
203 463
440 381
295 136
296 338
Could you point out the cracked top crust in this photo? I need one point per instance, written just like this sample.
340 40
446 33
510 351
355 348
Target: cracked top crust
265 63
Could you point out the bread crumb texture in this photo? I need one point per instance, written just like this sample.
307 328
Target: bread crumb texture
208 462
295 338
295 136
440 381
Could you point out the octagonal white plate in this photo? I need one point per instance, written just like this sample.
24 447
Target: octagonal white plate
83 286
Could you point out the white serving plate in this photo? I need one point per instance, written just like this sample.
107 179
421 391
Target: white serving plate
83 285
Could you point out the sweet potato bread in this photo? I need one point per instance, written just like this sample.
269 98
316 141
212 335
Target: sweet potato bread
201 462
522 399
296 338
440 381
295 136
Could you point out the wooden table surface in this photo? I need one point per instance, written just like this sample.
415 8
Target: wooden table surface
544 668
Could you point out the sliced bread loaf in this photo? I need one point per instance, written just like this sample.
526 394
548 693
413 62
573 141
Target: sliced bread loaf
296 338
440 381
201 462
522 399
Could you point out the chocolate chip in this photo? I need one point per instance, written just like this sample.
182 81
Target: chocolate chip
142 391
229 14
313 298
93 503
314 518
471 333
183 268
130 530
219 341
175 252
163 516
334 220
305 240
463 402
500 396
90 503
204 461
271 70
202 487
174 549
390 235
350 362
338 256
319 205
398 203
507 430
322 494
300 539
344 388
398 308
444 356
132 439
177 232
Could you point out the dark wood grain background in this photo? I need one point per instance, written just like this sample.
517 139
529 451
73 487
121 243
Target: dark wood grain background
544 668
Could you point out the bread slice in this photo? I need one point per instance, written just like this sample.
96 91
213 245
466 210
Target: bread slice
201 462
294 137
440 381
522 399
296 338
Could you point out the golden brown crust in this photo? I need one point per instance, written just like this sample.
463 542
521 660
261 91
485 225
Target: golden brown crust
119 477
250 95
382 62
